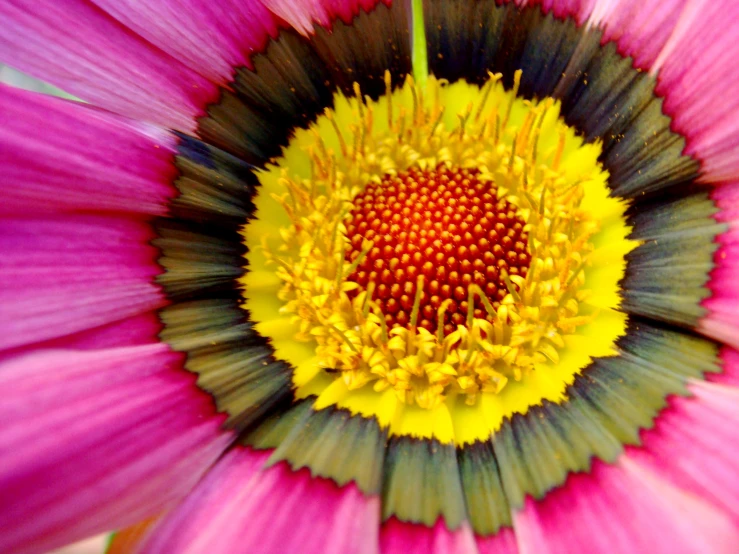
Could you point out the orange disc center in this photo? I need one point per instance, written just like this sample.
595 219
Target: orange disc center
444 224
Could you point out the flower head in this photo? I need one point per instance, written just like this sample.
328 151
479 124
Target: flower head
358 276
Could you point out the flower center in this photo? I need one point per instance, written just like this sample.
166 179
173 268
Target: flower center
444 242
445 224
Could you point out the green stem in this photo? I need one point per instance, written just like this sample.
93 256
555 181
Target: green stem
419 55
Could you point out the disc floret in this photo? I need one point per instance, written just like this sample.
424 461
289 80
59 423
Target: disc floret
468 341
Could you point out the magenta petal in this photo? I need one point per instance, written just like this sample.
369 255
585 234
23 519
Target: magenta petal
303 14
66 274
562 9
97 440
722 321
239 507
346 10
212 38
622 508
82 50
730 374
726 197
85 158
398 537
503 542
133 331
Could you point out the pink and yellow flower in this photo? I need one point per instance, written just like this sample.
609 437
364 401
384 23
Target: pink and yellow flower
360 276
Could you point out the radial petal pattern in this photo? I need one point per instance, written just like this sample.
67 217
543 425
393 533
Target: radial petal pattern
269 511
204 342
65 406
85 160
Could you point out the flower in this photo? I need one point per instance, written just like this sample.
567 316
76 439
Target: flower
358 276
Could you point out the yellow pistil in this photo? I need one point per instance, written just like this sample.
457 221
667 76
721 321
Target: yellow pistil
345 326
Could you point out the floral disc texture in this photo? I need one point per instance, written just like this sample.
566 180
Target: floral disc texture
456 288
371 277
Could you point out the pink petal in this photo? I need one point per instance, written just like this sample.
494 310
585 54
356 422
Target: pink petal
212 38
697 76
65 274
94 545
303 14
640 28
622 508
269 511
217 493
85 159
81 49
97 440
399 537
722 321
690 45
695 441
503 542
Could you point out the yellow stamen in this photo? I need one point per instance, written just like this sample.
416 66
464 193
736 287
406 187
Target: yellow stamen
523 154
